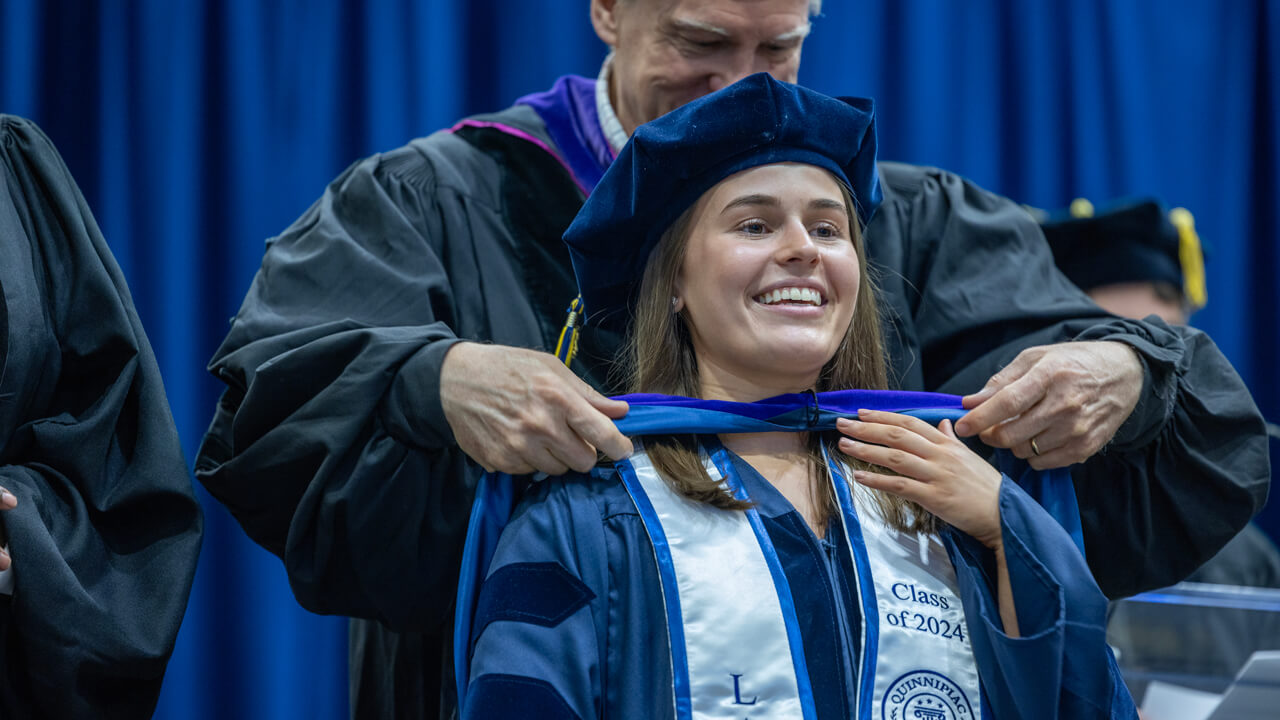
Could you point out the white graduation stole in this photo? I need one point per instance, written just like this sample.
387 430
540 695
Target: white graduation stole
924 667
736 649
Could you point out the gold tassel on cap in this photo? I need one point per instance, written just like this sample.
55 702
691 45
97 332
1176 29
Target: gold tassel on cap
567 344
1081 208
1190 257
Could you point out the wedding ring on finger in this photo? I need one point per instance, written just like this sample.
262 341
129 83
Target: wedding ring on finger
1035 450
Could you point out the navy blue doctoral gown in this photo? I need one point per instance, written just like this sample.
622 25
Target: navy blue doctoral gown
570 620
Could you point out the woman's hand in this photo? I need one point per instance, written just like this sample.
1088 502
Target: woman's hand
7 502
937 471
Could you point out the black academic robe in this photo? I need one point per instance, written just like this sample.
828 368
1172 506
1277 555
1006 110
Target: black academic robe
329 445
331 449
107 529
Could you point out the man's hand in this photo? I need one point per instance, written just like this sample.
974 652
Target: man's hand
1056 405
521 411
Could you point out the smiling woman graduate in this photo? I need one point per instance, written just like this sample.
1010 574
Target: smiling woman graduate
752 559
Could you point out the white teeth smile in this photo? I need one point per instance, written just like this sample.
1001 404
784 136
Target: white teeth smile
804 296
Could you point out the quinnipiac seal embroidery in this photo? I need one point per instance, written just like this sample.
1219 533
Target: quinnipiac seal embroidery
925 695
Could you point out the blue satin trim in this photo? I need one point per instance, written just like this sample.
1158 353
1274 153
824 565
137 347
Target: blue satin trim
785 600
783 412
490 513
866 591
670 590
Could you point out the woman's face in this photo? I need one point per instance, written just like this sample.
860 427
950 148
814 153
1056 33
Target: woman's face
769 279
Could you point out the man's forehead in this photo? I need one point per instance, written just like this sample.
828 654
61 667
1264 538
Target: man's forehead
768 21
798 31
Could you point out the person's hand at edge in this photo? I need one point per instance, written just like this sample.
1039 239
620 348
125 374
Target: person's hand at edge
522 411
1056 405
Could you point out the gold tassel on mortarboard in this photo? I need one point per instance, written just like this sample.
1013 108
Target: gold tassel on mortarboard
567 345
1081 208
1190 257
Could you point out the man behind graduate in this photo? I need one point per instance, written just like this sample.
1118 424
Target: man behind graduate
394 342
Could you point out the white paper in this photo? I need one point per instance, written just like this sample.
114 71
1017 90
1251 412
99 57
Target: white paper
1165 701
1256 690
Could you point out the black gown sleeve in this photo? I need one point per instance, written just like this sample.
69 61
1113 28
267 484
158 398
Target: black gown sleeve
972 283
329 445
107 529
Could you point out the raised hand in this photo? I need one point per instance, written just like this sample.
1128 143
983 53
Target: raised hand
1056 405
937 470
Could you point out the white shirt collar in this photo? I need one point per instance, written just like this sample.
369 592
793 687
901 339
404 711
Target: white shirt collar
613 132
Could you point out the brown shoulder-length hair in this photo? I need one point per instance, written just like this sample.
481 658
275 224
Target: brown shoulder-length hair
658 358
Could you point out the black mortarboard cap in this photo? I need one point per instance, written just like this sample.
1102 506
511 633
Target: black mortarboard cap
670 162
1133 241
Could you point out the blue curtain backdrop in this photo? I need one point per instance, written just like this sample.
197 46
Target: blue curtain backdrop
199 128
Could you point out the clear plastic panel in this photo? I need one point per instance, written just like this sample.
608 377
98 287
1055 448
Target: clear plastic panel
1199 637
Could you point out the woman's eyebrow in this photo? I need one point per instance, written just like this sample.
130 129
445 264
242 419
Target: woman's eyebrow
760 199
826 204
752 201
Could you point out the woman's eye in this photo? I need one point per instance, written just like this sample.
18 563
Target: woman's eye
826 231
754 228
